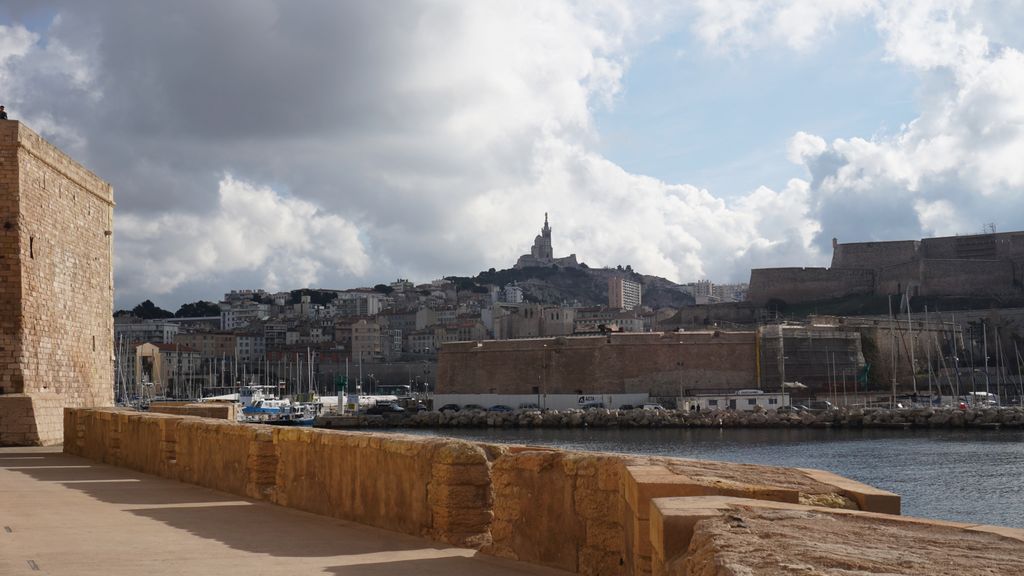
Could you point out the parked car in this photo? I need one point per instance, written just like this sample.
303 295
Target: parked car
627 407
589 405
529 406
653 407
385 408
469 407
500 408
449 408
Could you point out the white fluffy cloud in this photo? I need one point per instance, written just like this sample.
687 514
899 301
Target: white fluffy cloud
291 241
368 142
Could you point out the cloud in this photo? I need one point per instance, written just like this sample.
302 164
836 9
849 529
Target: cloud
367 141
739 26
290 241
954 168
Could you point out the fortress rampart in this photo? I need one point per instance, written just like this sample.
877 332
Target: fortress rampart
56 288
587 513
658 364
984 265
807 284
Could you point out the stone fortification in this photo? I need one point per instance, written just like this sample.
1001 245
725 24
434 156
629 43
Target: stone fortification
56 288
724 536
871 255
984 265
587 513
658 364
791 285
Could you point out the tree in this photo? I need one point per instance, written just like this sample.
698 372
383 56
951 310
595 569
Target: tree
383 289
147 310
198 309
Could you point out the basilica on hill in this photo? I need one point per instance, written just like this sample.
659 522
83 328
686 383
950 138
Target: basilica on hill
542 254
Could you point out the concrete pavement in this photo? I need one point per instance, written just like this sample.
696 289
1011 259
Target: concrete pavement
64 515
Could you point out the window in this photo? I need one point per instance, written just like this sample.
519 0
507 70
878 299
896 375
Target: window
712 402
773 401
751 401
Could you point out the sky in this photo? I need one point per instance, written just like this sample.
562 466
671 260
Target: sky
281 145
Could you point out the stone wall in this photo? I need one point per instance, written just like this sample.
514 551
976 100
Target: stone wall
872 255
974 277
580 512
807 284
658 364
56 293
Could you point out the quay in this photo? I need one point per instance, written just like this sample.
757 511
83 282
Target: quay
405 501
66 515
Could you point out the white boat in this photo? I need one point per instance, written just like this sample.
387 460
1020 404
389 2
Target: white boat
261 408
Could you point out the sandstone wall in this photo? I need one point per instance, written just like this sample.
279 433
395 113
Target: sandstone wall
653 363
967 277
56 294
580 512
874 255
807 284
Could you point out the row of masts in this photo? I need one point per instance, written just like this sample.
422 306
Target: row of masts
226 375
957 351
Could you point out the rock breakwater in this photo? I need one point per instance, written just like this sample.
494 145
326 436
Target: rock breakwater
926 417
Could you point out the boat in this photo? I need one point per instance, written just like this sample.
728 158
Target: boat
261 408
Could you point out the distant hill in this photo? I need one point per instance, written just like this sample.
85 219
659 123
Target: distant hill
585 286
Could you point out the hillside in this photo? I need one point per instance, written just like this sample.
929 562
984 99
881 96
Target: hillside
585 286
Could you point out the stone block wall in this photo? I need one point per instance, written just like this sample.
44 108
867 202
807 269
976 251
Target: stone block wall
974 277
874 255
581 512
56 288
652 363
807 284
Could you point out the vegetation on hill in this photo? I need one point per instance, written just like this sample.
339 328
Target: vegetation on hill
198 309
147 311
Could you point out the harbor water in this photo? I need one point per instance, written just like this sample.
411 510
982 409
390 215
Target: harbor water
969 476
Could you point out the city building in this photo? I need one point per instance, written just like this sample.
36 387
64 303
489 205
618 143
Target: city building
623 294
132 330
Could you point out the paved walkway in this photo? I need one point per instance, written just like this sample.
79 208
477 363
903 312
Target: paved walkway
64 515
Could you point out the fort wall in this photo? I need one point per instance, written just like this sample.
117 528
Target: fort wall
658 364
871 255
807 284
974 277
581 512
56 287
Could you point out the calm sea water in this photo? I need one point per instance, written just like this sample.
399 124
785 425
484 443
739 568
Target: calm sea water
966 476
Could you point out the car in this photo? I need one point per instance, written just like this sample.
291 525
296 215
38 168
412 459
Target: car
529 406
500 408
385 408
627 407
469 407
449 408
653 407
820 405
589 405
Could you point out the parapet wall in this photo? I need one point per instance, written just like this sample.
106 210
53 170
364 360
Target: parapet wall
582 512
